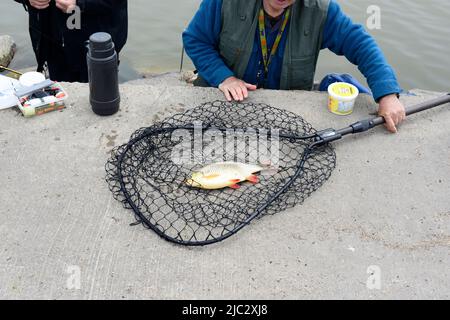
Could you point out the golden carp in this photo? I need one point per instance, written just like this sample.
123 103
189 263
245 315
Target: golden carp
224 174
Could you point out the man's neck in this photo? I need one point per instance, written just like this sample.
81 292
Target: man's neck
272 12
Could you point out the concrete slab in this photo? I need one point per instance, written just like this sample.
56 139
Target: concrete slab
386 210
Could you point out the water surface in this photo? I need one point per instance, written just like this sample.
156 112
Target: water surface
414 36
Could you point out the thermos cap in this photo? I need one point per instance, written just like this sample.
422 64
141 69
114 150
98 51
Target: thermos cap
101 45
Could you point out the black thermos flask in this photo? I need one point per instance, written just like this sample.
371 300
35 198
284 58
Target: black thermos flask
103 72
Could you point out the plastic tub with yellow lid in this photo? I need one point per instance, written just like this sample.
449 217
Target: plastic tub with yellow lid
342 97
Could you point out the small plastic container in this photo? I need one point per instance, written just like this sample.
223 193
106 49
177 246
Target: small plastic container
342 97
29 79
53 100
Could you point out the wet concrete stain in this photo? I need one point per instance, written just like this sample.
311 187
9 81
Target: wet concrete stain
111 140
171 110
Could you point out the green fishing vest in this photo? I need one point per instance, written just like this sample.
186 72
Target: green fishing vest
239 24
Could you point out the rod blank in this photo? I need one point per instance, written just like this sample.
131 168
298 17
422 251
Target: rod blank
426 105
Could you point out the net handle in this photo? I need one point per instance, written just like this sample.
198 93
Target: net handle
330 135
427 105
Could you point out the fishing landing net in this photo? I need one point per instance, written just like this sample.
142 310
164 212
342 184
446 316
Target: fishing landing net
149 173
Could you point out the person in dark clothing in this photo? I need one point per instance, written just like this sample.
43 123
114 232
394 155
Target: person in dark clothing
63 49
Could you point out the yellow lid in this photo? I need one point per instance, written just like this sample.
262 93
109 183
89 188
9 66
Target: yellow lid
343 89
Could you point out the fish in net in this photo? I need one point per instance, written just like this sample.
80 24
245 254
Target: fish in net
149 174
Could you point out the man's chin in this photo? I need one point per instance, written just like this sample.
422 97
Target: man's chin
281 4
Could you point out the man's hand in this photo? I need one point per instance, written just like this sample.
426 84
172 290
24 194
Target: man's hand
236 89
66 6
40 4
393 112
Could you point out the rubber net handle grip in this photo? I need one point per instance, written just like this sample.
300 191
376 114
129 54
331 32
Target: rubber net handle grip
364 125
418 108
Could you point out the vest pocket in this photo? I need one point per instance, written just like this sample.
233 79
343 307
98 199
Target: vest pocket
302 72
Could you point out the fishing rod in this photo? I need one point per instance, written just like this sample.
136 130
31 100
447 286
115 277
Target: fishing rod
10 70
182 59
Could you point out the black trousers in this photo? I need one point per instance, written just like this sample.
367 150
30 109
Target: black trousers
61 69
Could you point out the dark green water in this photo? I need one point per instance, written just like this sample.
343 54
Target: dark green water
414 35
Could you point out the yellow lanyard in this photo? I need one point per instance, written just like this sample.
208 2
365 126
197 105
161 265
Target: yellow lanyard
262 34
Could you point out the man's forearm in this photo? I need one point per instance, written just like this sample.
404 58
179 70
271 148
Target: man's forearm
200 40
343 37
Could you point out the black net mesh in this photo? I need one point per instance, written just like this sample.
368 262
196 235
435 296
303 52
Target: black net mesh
149 173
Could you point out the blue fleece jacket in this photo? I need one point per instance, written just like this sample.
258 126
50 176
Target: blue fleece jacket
341 36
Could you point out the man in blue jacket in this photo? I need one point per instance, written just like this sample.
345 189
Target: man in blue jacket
239 46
